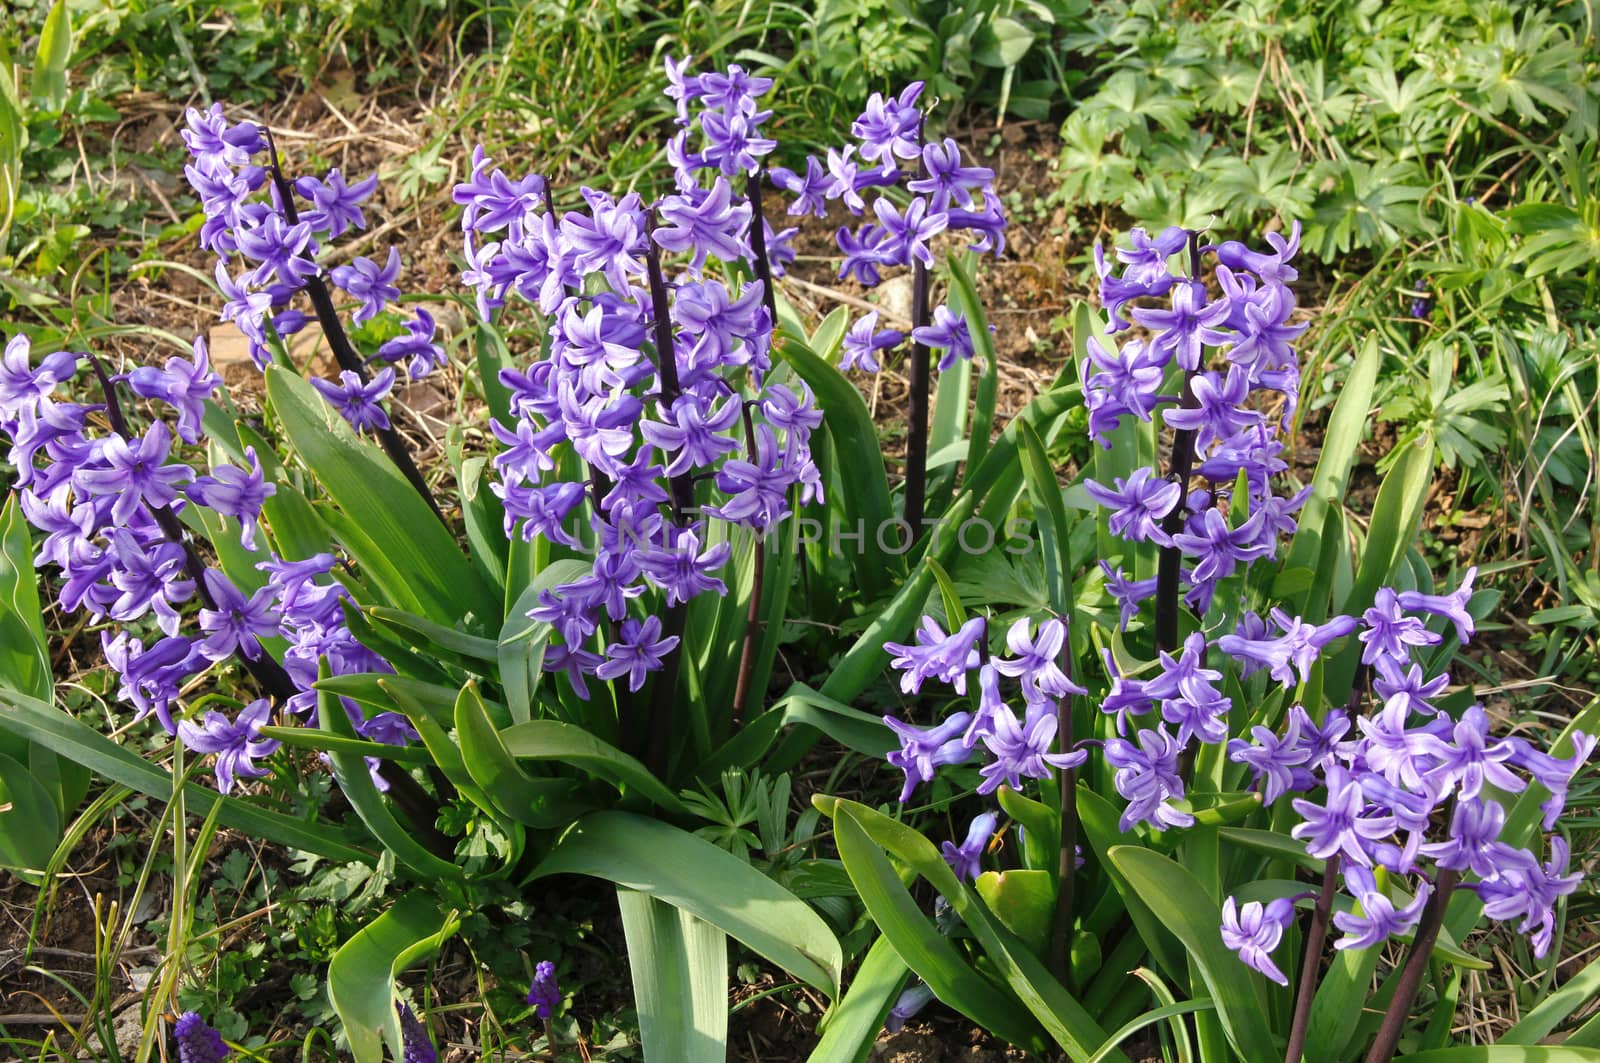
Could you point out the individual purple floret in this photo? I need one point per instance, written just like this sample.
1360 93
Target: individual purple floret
1254 930
1453 606
966 859
861 344
936 655
358 402
197 1042
639 650
949 333
544 994
1138 505
907 1005
235 492
1378 919
237 743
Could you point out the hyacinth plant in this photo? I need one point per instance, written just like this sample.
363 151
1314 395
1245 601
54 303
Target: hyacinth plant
1226 754
564 632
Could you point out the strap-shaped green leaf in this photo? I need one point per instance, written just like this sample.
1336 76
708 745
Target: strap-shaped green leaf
30 824
1346 427
920 945
851 1026
24 650
865 486
679 966
350 769
690 873
1066 1021
378 501
1506 1054
549 804
362 973
1182 904
563 742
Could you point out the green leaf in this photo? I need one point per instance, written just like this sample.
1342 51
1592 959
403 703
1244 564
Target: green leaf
1102 830
435 634
350 769
520 652
679 966
1150 1018
850 1028
1001 42
404 534
1024 901
690 873
24 650
70 738
1346 427
1336 1009
49 84
1537 1024
544 803
1182 904
1027 977
1045 492
30 823
921 947
361 974
563 742
964 298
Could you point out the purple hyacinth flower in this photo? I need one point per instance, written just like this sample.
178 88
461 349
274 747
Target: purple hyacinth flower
1218 412
544 994
809 189
966 859
358 402
416 1046
197 1042
1188 326
863 252
1147 777
923 752
1341 824
709 224
690 431
948 181
1138 505
1472 760
415 346
285 252
639 650
182 384
1473 842
237 743
21 385
890 128
373 284
1379 919
135 472
906 236
1278 763
1254 931
681 568
1021 749
1453 606
949 333
861 344
236 622
907 1006
936 655
1127 593
336 205
1389 632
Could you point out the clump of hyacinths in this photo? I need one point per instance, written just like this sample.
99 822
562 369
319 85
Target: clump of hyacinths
652 429
1395 785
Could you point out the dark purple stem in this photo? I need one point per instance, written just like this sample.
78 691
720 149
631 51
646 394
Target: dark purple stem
920 373
665 693
344 351
1169 567
1394 1019
1307 987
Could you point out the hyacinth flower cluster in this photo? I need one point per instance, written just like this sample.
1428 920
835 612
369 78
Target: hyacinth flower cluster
268 233
907 191
1403 799
109 507
652 428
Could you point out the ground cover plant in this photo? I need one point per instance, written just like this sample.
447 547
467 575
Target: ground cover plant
544 638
